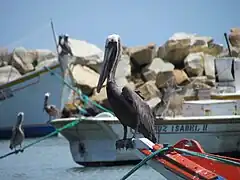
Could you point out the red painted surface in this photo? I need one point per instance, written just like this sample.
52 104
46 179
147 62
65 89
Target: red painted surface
192 167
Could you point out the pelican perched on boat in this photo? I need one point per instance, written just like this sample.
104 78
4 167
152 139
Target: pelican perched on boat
51 110
129 107
17 133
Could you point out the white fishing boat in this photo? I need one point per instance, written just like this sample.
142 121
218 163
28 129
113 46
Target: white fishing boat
213 121
92 141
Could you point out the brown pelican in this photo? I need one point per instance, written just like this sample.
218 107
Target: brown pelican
64 44
129 107
51 110
17 133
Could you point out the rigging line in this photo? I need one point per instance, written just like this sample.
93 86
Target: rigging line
28 35
35 32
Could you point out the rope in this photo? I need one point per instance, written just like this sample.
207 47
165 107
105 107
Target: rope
69 125
28 35
82 110
82 96
135 168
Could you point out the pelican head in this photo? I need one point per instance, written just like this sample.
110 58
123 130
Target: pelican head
20 118
112 55
47 95
46 99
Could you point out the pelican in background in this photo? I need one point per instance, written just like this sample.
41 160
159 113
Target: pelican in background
51 110
17 133
129 107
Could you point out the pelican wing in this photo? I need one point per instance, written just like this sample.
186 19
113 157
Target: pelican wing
144 113
14 133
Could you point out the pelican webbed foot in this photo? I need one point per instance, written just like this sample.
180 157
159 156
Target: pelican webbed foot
125 143
20 148
120 144
129 144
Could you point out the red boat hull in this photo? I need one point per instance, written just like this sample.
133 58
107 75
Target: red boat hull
195 167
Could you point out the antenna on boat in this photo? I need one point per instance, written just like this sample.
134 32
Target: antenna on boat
228 45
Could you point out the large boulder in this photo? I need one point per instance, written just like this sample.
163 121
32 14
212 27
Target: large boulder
175 51
5 57
143 55
43 55
87 54
180 77
121 82
8 74
158 65
85 78
124 67
211 49
149 90
22 60
194 64
209 66
177 48
165 79
153 102
49 62
234 37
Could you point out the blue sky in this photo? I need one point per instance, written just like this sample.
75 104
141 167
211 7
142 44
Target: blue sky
27 22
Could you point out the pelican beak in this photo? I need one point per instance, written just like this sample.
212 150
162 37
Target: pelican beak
45 100
111 54
20 118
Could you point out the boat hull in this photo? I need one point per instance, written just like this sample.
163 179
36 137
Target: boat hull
92 142
182 160
29 131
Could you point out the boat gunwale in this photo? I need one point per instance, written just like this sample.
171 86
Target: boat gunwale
215 96
233 119
28 76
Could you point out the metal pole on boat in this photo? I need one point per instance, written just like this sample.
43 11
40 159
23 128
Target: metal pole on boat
56 44
54 36
228 45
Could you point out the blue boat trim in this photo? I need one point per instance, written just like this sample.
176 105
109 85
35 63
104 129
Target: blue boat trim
31 131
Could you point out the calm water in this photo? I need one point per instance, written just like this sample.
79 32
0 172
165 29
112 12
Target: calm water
51 159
